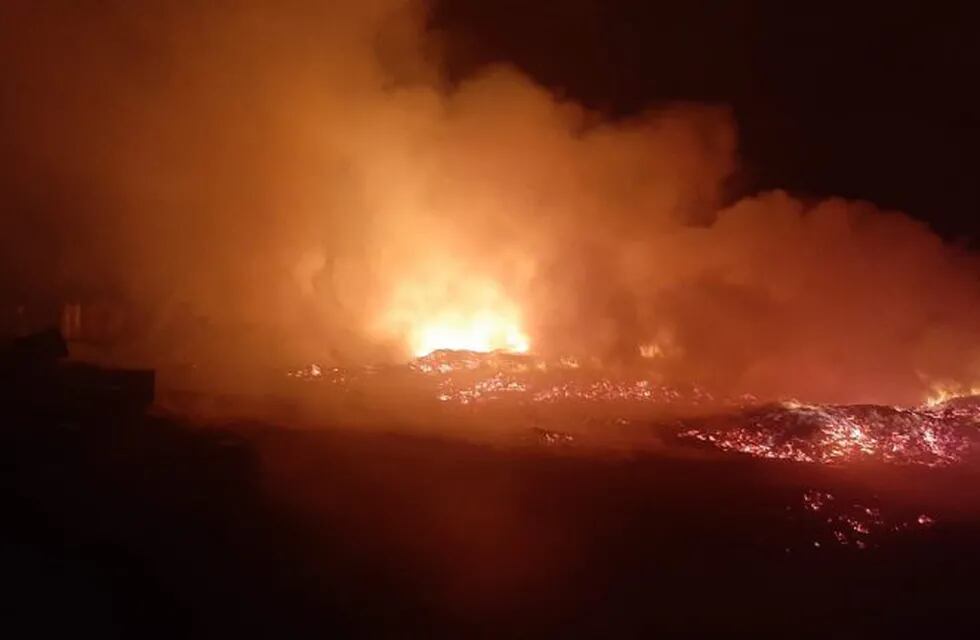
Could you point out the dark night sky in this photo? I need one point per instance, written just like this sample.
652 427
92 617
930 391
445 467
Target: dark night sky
868 102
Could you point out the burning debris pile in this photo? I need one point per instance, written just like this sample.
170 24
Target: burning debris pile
934 434
931 436
468 378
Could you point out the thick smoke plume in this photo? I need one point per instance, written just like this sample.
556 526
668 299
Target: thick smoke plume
301 178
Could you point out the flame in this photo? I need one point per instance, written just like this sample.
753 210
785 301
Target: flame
651 351
454 312
944 392
481 330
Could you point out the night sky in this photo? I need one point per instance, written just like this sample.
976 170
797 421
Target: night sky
860 101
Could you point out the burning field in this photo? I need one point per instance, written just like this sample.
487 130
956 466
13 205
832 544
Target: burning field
591 402
434 338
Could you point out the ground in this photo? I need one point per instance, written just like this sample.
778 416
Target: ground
150 526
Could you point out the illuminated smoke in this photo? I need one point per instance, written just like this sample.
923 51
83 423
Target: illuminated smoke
297 180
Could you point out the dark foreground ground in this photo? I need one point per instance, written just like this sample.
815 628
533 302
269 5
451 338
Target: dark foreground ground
146 527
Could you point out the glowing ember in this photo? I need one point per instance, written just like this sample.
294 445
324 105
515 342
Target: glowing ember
310 372
446 361
816 500
490 388
855 523
610 390
466 377
929 436
553 438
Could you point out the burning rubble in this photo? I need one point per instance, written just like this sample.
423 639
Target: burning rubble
934 434
572 405
471 378
930 435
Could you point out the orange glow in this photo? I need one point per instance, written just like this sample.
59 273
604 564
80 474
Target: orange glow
651 351
452 311
944 392
482 330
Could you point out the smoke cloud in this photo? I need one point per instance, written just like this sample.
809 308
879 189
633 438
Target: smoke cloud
301 178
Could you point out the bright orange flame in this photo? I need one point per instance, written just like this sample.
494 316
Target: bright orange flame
449 312
483 330
651 351
943 392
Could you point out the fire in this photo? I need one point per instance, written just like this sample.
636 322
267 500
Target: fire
651 351
482 330
944 392
448 310
836 434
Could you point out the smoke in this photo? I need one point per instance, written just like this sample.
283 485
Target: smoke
300 177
